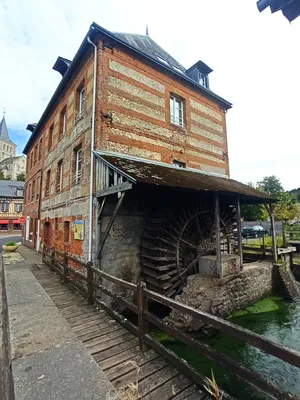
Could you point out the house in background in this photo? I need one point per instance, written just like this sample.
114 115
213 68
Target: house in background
13 166
130 132
11 205
7 147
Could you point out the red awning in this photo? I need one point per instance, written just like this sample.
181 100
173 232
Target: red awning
16 221
3 221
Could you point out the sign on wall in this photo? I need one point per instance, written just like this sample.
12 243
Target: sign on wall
79 229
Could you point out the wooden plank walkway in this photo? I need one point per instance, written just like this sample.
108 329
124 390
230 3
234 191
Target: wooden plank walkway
115 349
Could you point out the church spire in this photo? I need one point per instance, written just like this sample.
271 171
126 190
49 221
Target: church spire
3 128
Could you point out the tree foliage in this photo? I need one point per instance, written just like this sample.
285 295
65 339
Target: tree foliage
270 185
21 177
286 209
2 176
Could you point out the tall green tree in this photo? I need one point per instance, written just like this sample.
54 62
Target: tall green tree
270 184
287 208
21 177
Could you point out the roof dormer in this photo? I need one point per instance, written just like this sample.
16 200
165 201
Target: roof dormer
61 65
199 73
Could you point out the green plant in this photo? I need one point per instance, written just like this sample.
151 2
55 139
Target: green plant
10 244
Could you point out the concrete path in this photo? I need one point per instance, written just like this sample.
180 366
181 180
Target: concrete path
48 360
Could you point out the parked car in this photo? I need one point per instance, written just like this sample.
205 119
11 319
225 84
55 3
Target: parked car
256 231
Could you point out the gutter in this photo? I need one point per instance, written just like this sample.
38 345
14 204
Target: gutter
92 152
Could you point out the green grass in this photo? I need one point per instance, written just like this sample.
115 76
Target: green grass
10 244
268 241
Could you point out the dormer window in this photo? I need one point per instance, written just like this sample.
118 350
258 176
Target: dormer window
177 69
203 79
161 59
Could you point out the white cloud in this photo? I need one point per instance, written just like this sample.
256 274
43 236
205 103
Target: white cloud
254 57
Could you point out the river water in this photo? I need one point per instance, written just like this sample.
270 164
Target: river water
281 325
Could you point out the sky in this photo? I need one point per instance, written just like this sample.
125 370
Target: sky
255 58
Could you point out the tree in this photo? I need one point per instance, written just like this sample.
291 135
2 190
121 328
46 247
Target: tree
253 212
2 176
21 177
270 185
287 208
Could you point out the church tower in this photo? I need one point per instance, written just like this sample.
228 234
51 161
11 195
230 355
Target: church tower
7 147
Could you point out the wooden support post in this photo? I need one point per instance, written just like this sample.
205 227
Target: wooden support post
264 246
239 230
218 233
283 234
90 283
110 224
274 247
65 273
142 308
52 257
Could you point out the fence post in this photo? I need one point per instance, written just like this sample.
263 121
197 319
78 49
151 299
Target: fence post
143 327
52 257
90 283
65 273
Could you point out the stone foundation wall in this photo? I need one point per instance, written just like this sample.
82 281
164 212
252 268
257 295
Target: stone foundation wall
223 296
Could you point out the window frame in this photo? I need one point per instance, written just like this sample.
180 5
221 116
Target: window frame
63 122
81 99
20 205
4 209
204 78
78 161
59 177
173 101
50 137
47 183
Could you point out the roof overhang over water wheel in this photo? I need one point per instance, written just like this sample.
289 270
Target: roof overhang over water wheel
129 171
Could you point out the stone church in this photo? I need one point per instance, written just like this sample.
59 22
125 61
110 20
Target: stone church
7 147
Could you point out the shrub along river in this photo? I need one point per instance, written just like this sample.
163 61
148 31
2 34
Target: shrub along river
275 319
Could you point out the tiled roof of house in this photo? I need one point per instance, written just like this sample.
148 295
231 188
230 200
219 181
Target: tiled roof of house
9 188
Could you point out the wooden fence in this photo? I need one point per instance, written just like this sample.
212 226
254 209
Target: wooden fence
93 282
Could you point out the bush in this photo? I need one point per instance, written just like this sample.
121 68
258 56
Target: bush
10 244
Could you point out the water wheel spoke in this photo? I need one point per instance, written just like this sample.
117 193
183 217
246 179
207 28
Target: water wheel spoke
193 246
191 264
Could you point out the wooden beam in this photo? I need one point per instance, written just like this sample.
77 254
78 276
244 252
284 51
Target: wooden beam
110 224
121 187
218 233
239 230
273 233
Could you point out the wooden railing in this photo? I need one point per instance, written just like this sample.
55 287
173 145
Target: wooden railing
93 281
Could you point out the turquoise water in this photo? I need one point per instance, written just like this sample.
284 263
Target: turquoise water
281 325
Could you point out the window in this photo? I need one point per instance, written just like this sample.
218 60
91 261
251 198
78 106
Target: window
29 193
177 69
161 59
4 206
81 99
31 160
203 79
179 164
176 111
33 191
35 154
40 148
78 164
59 176
63 122
18 207
66 232
50 137
47 186
38 187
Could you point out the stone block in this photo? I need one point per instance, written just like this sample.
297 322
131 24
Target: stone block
230 265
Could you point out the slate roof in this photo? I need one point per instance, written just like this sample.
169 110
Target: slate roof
289 8
167 175
9 160
4 132
9 188
148 46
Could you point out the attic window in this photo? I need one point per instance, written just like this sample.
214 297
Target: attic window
179 164
177 69
161 59
203 81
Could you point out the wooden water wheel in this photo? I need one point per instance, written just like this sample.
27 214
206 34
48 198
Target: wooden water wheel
172 245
